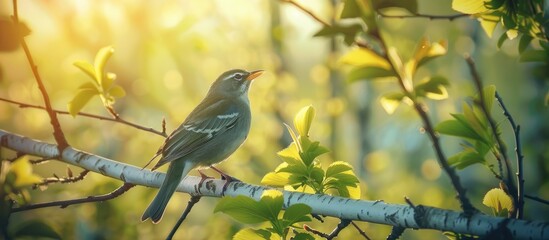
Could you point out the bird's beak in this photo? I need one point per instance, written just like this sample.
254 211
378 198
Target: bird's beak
254 74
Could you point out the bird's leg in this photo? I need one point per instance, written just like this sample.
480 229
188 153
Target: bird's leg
203 178
228 179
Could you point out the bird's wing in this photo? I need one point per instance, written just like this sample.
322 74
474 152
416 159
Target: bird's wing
209 119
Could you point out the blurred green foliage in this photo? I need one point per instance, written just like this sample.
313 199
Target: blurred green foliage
169 52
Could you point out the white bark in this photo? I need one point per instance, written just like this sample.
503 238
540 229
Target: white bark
420 217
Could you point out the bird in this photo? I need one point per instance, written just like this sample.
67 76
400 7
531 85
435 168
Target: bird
217 126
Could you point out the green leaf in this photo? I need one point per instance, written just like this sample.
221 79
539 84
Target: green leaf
533 56
87 68
303 120
466 158
243 209
390 101
349 32
347 179
456 128
311 150
101 59
489 95
108 80
409 5
297 213
22 169
290 154
277 179
427 50
294 137
117 91
82 97
317 173
524 42
249 233
369 73
338 167
488 22
469 6
34 229
501 40
433 88
272 200
362 57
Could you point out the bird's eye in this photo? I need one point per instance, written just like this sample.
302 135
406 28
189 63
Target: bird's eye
238 76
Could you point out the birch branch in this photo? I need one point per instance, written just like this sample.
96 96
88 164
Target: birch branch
416 217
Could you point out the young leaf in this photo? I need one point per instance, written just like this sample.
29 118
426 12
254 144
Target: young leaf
117 91
81 98
433 87
101 59
350 9
338 167
426 51
276 179
524 42
456 128
297 213
369 73
87 68
390 101
22 169
303 120
290 154
243 209
498 200
488 22
489 95
466 158
501 40
362 57
469 6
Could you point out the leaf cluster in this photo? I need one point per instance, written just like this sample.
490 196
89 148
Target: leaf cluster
472 126
301 169
268 209
101 83
15 177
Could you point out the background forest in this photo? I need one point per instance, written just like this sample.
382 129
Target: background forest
166 55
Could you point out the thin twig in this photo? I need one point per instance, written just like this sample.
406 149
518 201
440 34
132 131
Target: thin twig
429 16
65 203
342 225
360 231
520 157
55 179
502 149
40 161
57 131
538 199
420 108
307 11
89 115
190 204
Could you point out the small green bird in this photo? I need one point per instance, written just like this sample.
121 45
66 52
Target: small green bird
210 134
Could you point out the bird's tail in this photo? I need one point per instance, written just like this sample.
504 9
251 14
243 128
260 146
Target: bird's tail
177 170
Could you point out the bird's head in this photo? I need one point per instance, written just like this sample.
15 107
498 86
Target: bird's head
234 83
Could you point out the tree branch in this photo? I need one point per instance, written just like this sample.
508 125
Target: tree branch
418 217
190 205
429 16
116 119
520 157
57 131
65 203
502 149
